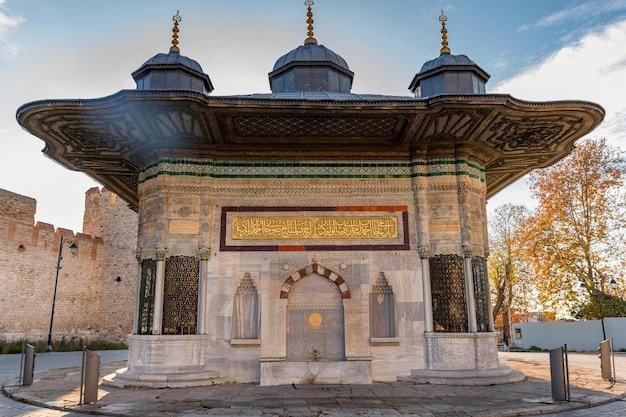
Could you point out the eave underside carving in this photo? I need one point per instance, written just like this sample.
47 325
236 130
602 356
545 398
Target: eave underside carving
112 139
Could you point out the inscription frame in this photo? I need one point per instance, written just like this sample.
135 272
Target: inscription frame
398 213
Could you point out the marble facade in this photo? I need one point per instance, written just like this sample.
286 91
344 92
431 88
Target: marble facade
186 214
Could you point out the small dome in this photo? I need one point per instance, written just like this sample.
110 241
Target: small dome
311 52
172 71
446 59
311 67
173 58
449 74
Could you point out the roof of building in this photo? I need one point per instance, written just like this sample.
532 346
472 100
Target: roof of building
113 139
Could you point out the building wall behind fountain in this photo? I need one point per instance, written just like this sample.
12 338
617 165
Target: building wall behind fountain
91 301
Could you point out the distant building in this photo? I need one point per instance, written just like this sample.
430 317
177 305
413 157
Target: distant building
309 235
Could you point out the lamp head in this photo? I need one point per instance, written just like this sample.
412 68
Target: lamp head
73 248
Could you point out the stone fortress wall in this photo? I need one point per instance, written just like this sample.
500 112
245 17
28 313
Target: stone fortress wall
96 287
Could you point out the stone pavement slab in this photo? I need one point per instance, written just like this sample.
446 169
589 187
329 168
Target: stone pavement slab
59 388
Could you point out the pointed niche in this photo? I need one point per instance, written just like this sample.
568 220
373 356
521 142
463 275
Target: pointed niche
246 314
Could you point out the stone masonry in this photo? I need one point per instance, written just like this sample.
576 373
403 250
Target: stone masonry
96 288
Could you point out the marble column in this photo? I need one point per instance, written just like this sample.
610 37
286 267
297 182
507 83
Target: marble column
424 252
205 255
488 291
138 291
469 289
157 320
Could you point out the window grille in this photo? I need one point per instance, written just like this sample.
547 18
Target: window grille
180 295
448 293
146 296
481 298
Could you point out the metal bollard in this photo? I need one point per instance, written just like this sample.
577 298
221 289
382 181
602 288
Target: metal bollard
557 374
28 373
605 359
92 374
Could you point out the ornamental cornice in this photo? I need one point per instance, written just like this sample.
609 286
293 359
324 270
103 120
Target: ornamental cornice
341 101
112 138
243 191
443 188
364 189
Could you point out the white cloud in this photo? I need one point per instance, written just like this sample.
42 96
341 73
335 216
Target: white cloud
590 69
582 11
7 24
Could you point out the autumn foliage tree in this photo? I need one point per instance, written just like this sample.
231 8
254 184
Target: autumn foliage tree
574 240
506 266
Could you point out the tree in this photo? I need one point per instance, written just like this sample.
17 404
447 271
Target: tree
505 263
589 309
575 239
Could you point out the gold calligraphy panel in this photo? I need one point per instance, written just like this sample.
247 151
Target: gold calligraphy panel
314 228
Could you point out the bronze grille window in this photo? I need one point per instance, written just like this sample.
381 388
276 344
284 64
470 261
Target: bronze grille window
481 298
180 295
146 296
448 293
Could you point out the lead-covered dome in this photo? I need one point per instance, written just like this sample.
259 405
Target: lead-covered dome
446 59
311 67
172 71
448 74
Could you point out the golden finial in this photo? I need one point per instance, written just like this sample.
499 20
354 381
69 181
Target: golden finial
444 38
176 19
309 21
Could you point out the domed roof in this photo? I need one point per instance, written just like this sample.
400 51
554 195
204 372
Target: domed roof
308 53
448 74
173 58
172 71
311 67
446 59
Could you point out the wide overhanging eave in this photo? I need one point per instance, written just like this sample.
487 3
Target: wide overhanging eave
110 138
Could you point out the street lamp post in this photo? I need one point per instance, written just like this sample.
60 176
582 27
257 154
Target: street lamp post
601 312
73 247
599 300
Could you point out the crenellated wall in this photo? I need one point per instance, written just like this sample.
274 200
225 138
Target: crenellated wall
91 302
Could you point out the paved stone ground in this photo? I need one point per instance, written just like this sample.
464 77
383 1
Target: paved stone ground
9 372
59 388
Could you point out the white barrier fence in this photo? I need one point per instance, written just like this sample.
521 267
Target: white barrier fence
580 336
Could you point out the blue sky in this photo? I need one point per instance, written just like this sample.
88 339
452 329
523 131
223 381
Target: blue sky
534 50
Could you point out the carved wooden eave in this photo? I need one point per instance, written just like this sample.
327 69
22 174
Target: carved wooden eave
112 138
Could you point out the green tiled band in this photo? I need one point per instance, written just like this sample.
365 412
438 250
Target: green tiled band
311 169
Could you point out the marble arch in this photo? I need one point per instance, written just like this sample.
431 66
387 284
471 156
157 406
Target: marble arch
321 270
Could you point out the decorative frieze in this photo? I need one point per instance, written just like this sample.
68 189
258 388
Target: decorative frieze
312 168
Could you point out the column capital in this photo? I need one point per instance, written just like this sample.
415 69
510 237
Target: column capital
468 251
204 253
138 256
161 253
424 251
